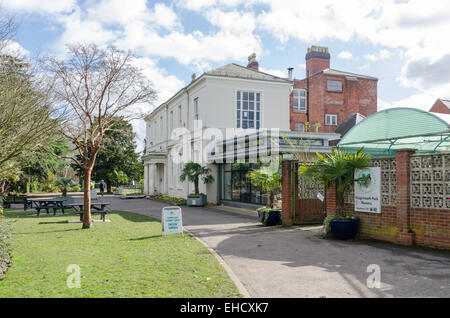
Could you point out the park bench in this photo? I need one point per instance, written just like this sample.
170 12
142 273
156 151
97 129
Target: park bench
55 204
96 208
17 199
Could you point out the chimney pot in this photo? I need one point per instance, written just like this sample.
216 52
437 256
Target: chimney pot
290 73
317 59
252 63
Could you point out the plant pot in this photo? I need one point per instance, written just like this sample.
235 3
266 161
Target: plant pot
269 217
344 229
196 199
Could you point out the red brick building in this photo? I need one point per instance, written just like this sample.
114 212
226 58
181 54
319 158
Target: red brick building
441 106
326 97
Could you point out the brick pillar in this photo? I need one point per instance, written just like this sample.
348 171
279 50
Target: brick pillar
330 199
286 193
403 170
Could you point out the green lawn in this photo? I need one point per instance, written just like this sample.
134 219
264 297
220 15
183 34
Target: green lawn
124 258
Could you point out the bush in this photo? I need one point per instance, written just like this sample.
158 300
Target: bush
74 188
166 198
5 243
49 187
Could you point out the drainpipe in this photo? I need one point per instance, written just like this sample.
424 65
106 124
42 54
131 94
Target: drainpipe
307 96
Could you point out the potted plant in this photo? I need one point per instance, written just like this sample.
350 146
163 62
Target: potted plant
268 181
337 169
193 172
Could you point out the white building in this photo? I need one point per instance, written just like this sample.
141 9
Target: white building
231 96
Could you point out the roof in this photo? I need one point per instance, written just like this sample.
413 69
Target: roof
348 123
231 70
397 128
333 72
238 71
446 102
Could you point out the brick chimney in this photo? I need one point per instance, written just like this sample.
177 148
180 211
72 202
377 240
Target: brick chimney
317 59
252 63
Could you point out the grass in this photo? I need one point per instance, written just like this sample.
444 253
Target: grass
124 258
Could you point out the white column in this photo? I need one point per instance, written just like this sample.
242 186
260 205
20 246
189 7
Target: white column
151 178
146 179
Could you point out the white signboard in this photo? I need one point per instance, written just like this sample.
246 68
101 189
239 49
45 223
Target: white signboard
172 221
368 190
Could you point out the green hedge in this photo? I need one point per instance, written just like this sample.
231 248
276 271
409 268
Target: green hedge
5 242
166 198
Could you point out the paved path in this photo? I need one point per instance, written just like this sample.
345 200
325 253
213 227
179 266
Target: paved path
294 262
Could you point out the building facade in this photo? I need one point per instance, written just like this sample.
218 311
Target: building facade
231 96
326 97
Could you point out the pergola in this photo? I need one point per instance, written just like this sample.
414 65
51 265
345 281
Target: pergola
399 128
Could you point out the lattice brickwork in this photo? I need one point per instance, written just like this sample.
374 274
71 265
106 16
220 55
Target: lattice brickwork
388 182
430 181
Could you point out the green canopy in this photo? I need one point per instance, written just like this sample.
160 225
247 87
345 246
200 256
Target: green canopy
398 128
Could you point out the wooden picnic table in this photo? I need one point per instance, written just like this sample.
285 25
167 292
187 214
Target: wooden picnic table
48 204
96 208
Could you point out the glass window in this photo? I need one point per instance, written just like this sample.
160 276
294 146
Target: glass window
300 127
299 103
196 109
334 86
331 120
248 108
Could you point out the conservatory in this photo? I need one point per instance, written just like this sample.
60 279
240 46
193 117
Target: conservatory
399 128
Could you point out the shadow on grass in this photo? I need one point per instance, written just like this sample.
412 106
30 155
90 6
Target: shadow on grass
135 217
56 222
145 237
43 232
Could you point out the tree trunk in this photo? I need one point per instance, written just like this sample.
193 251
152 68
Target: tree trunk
87 220
340 203
196 186
108 187
27 185
271 199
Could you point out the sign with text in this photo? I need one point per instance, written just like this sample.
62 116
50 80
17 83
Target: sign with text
368 190
172 221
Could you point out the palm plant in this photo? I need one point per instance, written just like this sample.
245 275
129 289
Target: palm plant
63 184
336 168
268 181
193 172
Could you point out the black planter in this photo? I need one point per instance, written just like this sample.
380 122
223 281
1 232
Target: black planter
270 217
344 229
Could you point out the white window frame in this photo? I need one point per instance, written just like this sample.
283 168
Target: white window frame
171 123
180 117
241 103
298 124
332 88
331 119
299 95
196 108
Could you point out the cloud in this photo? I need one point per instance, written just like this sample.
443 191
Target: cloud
278 73
381 55
14 48
39 6
345 55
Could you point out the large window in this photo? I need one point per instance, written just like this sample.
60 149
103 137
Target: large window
334 86
180 119
331 120
299 100
248 109
299 127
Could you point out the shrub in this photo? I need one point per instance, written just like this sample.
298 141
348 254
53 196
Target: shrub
5 242
74 188
166 198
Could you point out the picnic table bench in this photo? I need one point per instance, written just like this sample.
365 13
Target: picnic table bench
96 208
55 204
16 199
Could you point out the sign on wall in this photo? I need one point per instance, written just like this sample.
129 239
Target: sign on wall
172 221
368 190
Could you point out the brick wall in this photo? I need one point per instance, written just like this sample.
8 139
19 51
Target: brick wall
356 97
439 107
400 224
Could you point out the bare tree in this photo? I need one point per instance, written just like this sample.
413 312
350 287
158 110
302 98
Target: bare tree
94 86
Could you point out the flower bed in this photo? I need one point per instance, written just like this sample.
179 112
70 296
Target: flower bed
166 198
